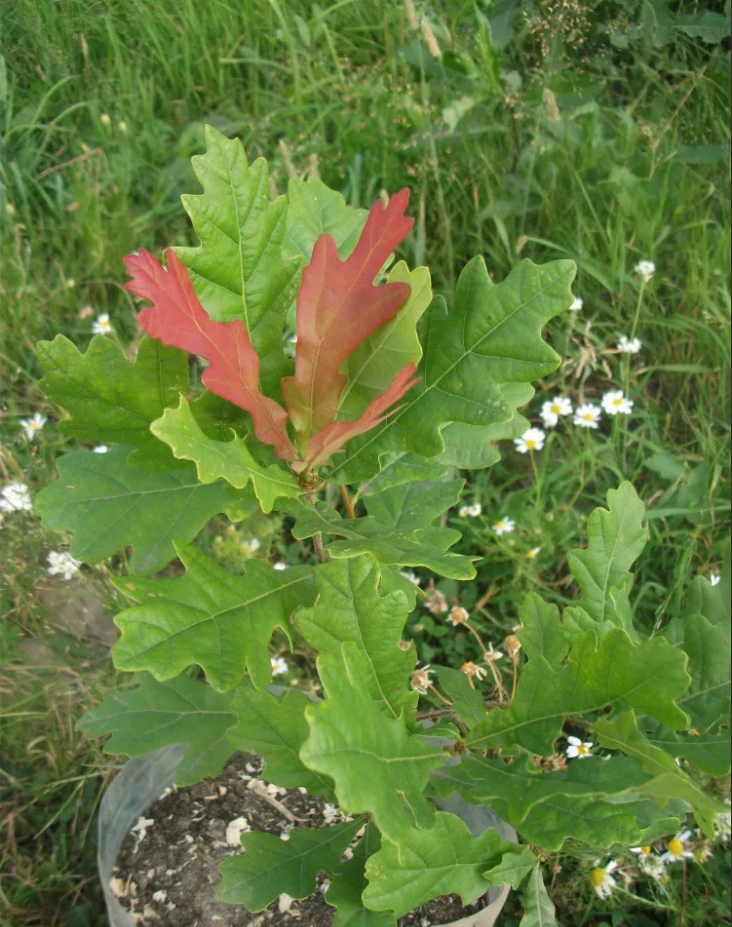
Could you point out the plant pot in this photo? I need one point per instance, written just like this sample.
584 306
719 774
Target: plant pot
141 782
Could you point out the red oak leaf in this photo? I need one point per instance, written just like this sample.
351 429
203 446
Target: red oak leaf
331 439
338 307
177 318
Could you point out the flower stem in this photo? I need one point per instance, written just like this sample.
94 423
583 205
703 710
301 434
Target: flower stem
433 688
347 502
537 480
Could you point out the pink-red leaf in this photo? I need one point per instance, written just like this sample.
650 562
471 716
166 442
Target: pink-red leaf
177 318
338 307
331 439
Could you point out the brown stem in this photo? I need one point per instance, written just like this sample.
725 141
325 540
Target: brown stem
439 695
515 677
320 551
498 681
483 648
347 502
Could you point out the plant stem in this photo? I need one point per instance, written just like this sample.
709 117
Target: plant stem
347 502
320 551
439 695
537 480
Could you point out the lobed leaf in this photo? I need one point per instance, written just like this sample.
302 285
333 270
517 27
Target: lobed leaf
616 538
346 890
156 714
229 460
491 337
272 867
350 607
109 398
313 209
177 318
414 505
425 864
239 270
648 677
108 505
378 359
274 727
539 910
378 767
208 617
338 307
516 862
426 547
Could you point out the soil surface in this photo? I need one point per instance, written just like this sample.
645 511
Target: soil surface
167 869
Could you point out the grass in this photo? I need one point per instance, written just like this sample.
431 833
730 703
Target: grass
590 131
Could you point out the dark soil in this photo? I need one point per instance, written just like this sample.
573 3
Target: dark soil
167 877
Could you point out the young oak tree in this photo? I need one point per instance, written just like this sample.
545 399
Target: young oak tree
389 391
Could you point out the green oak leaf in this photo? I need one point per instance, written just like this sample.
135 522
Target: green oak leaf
378 767
272 867
708 752
616 538
378 359
426 547
648 677
709 650
209 617
398 469
541 633
425 864
350 608
274 727
229 460
467 702
110 398
238 270
156 714
520 787
474 447
491 337
108 505
313 209
713 602
539 910
669 781
349 883
515 862
414 505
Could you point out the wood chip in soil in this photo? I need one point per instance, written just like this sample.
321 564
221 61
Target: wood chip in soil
168 867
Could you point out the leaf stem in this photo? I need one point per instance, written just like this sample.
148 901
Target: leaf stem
347 502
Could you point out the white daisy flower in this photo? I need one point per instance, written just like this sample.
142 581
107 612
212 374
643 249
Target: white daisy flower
279 666
436 602
491 655
577 305
723 826
420 680
458 616
587 416
251 546
652 865
533 553
677 850
279 566
645 270
412 577
62 564
470 511
100 449
102 325
555 409
615 403
504 526
578 749
31 426
602 880
629 345
14 497
642 851
531 440
714 579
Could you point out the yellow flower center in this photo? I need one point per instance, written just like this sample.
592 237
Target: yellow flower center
531 555
588 416
556 409
617 402
582 750
531 444
501 525
675 847
645 851
597 877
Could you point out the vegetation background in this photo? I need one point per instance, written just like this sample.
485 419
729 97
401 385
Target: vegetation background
591 129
